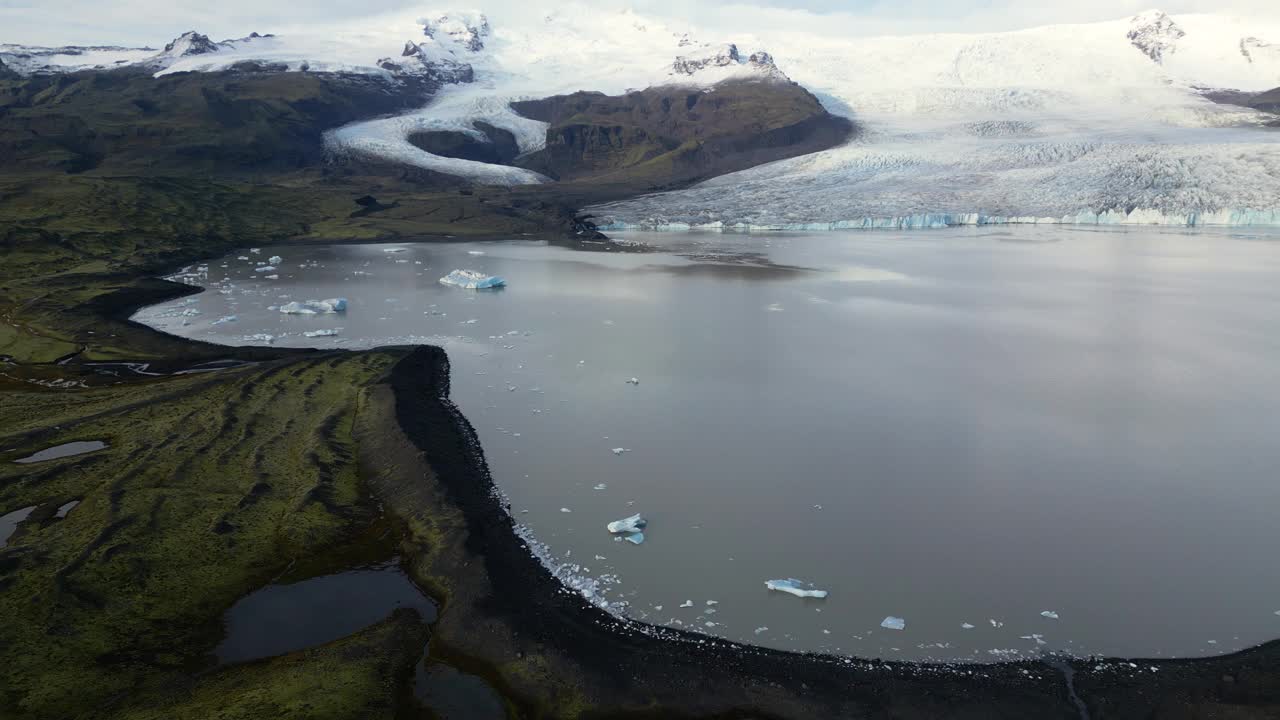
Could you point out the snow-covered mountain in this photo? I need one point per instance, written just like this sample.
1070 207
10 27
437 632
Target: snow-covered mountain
1104 120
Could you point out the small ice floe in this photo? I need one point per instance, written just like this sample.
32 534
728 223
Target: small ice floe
243 257
260 337
315 307
327 332
473 280
475 252
275 260
600 486
966 626
795 587
1049 614
996 623
631 524
774 307
224 319
619 451
565 510
265 268
893 623
394 250
686 604
628 529
633 381
712 602
1034 636
255 251
272 277
762 628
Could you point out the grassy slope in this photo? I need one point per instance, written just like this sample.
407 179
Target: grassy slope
212 485
664 137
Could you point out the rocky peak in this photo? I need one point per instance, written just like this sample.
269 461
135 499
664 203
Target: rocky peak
724 56
1254 49
190 43
1155 34
466 29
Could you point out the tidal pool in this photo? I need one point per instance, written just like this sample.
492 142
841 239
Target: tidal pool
1015 440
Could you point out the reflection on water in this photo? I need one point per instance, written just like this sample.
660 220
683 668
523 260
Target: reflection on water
944 427
282 618
65 450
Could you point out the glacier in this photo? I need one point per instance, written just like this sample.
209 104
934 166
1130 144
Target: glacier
1105 122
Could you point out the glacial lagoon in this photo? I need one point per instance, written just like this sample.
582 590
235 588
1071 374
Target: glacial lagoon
1014 440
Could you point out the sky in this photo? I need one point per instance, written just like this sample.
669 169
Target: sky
154 22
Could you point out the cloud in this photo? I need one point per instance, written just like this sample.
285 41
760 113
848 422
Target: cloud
154 22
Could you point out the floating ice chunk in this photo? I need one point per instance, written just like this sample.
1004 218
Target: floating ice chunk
712 602
634 538
966 626
893 623
261 337
275 260
225 319
635 523
565 510
394 250
243 257
761 629
272 277
315 307
475 252
774 307
1049 614
600 486
473 280
686 604
996 623
795 587
255 251
633 381
265 268
619 451
327 332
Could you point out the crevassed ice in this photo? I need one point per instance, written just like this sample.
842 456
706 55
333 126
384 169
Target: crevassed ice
980 170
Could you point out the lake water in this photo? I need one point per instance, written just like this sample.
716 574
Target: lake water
961 427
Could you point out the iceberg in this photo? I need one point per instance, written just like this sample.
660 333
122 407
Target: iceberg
795 587
632 524
315 307
893 623
265 268
1052 615
328 332
275 260
473 280
629 529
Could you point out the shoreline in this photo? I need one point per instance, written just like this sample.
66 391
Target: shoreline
551 653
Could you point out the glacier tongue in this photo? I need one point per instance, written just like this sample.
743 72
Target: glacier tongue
905 174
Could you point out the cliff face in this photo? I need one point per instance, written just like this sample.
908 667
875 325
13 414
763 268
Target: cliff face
673 135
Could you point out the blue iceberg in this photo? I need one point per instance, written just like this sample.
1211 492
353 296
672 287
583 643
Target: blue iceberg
473 280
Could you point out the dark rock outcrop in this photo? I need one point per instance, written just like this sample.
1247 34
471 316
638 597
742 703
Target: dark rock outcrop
499 146
665 137
1155 34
